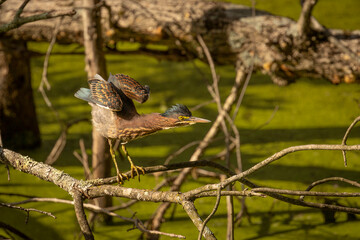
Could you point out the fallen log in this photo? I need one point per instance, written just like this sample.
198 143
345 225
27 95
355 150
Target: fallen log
278 46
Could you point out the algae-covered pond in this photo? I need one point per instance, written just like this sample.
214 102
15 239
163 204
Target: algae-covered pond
308 111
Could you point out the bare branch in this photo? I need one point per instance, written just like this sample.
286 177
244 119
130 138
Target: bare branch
195 218
161 168
306 193
274 157
346 136
218 198
81 217
276 108
27 210
305 16
325 180
243 90
61 141
179 151
243 193
11 228
19 21
286 151
21 9
84 159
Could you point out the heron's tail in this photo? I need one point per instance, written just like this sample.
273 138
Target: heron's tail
83 94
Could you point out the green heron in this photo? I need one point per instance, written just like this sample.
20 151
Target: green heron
114 114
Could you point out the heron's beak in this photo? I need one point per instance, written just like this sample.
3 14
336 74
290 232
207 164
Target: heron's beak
198 120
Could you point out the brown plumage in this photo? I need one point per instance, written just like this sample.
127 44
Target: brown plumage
115 117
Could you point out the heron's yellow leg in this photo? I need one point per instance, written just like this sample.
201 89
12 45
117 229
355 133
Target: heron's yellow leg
133 167
120 177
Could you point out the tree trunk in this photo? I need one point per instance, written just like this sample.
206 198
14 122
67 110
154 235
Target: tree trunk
95 63
18 122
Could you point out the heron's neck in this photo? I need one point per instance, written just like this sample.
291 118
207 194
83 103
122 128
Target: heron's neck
153 121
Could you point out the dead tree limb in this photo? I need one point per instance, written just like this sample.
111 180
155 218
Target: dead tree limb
18 21
81 217
305 18
229 31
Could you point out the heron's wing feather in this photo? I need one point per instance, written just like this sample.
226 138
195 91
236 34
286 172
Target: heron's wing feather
104 94
97 76
130 87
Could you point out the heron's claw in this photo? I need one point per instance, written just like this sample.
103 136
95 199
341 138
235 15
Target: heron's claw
136 170
120 178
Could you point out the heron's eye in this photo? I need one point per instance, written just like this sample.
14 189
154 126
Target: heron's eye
183 118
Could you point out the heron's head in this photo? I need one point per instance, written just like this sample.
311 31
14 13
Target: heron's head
182 115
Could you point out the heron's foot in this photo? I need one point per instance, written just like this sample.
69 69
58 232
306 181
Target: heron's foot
136 169
120 177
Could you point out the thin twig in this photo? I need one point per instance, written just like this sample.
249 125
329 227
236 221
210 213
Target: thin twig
346 137
237 142
180 150
84 159
306 193
27 210
13 230
61 141
17 194
325 180
20 10
218 198
200 105
243 193
215 93
44 80
243 90
276 108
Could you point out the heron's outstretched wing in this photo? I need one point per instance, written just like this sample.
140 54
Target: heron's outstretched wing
105 94
130 87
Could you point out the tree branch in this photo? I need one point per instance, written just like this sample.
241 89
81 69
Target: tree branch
218 198
346 137
27 210
195 218
303 23
81 217
19 21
